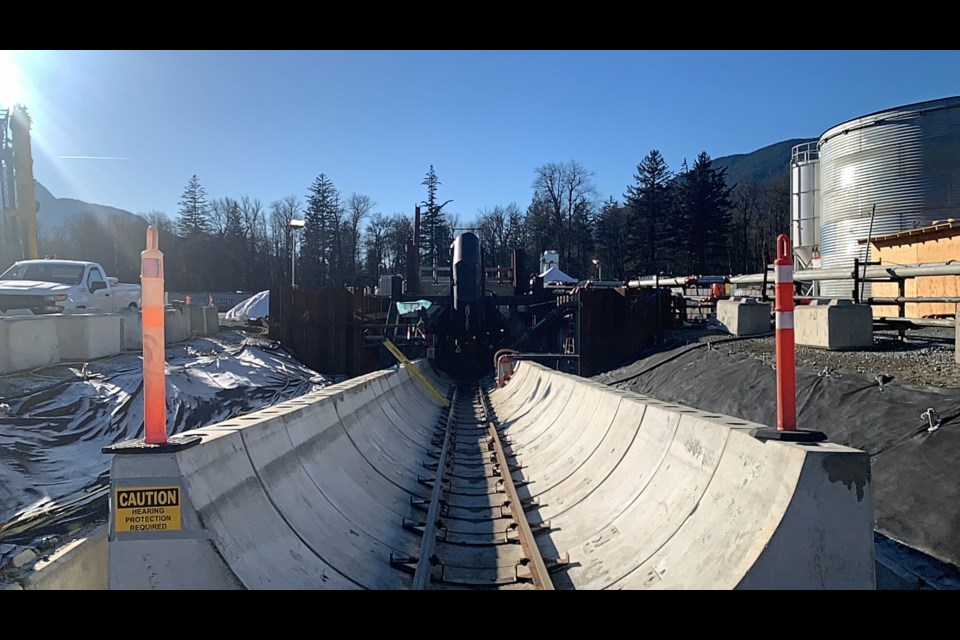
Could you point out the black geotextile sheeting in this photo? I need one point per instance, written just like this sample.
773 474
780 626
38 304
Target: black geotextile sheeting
915 473
55 420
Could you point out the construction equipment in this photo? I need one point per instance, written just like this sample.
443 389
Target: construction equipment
16 183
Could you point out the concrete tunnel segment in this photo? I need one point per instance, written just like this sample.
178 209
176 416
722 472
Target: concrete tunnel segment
312 493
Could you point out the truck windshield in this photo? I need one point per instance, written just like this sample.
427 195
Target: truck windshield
59 273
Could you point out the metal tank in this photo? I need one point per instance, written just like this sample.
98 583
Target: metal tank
805 201
468 284
901 163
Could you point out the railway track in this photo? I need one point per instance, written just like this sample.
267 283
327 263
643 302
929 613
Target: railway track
475 532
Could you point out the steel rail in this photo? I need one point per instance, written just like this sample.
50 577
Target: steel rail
541 576
421 577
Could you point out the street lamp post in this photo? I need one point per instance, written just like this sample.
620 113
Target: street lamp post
599 268
294 225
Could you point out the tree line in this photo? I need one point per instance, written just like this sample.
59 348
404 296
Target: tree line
686 222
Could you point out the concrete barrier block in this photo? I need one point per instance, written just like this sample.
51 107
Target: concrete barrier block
27 342
176 325
79 564
834 324
204 321
89 336
132 322
744 316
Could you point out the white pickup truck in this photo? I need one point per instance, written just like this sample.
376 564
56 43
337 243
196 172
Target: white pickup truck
50 286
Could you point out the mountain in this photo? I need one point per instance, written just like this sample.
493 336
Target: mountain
55 211
761 164
757 165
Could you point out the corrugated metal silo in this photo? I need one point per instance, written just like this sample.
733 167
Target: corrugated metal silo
903 161
805 201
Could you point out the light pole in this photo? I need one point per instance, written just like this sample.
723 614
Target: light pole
294 225
599 269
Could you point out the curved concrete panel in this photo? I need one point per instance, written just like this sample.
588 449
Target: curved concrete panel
664 496
321 491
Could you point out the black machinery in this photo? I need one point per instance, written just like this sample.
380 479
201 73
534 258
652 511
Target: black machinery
470 328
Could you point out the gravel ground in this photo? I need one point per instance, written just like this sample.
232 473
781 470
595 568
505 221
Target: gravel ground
925 357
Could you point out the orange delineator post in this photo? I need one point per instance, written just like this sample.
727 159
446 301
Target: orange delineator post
786 357
154 349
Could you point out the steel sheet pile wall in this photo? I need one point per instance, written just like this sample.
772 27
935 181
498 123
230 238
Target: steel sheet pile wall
616 324
319 327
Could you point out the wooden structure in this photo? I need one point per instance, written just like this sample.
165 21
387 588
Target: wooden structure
936 243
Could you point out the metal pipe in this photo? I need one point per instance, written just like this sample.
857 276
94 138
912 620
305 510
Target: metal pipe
901 299
919 322
679 281
891 272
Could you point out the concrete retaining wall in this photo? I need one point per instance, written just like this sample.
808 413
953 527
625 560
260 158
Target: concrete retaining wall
81 564
132 329
744 316
90 335
204 320
311 493
834 324
176 325
644 494
27 342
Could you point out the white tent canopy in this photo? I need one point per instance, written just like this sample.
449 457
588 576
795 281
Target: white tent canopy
553 274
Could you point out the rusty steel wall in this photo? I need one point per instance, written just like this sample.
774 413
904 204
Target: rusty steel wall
616 324
319 327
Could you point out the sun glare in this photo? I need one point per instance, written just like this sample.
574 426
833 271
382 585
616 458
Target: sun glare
11 80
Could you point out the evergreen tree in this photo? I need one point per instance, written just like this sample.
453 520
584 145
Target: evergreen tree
319 238
234 249
611 233
399 234
701 224
434 231
194 211
540 232
516 231
649 202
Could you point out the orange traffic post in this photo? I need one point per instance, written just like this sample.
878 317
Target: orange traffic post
786 356
154 349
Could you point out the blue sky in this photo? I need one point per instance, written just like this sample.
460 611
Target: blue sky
266 123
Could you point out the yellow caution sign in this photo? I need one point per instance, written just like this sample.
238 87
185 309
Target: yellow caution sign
392 348
146 509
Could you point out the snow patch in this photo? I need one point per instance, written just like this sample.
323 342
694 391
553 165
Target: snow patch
255 307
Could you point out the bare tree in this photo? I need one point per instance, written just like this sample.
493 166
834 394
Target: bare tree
492 225
567 195
358 207
775 202
160 220
375 243
401 232
746 214
219 210
281 234
253 214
